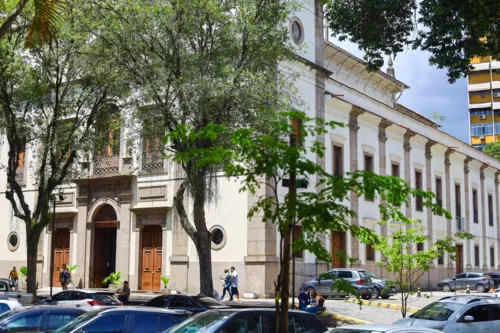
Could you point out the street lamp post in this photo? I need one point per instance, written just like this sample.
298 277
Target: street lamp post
53 199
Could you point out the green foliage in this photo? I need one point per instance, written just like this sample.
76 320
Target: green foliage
72 268
401 257
493 149
113 278
437 117
452 31
23 271
165 281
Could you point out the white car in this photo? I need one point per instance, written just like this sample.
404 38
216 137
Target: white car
84 299
7 304
382 328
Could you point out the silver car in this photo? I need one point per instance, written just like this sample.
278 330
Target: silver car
381 328
8 289
361 282
458 314
475 281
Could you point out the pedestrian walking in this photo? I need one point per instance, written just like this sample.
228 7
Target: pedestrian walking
14 277
234 287
304 298
227 282
64 276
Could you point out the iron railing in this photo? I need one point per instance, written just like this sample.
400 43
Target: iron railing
461 223
106 165
20 179
152 162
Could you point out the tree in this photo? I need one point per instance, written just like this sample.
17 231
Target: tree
43 24
402 258
196 63
493 149
50 99
266 159
452 31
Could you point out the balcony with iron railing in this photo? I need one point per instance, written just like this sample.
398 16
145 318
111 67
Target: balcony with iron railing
152 162
106 165
20 176
461 223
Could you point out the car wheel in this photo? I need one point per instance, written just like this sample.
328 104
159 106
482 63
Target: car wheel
385 297
480 288
446 288
376 293
366 297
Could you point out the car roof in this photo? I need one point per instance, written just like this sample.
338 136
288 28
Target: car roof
113 309
271 310
88 291
47 308
388 328
466 299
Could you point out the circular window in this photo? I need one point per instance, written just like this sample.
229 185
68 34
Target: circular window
296 30
218 237
13 241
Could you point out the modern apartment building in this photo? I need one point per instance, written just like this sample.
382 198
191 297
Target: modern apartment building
483 84
119 215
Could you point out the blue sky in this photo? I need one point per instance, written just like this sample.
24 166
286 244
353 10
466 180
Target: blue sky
429 90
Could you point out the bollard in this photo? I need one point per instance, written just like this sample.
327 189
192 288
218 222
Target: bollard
418 292
468 290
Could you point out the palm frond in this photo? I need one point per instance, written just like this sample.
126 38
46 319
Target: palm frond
43 26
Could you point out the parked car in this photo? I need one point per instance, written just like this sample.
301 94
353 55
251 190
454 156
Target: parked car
381 328
476 281
458 314
85 299
126 319
496 279
37 319
381 289
7 304
194 304
7 288
247 320
361 282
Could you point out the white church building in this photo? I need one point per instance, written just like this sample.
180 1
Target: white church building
120 217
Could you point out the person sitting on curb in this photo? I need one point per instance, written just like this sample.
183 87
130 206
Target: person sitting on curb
317 302
304 298
124 295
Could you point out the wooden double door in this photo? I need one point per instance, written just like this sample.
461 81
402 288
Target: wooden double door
459 257
61 253
151 257
338 249
104 252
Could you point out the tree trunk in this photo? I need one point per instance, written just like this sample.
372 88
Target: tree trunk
203 246
32 238
284 283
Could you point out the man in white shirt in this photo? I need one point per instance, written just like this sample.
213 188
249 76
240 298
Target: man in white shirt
234 287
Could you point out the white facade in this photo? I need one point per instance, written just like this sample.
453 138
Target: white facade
146 236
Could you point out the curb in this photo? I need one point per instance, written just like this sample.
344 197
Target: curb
384 305
345 319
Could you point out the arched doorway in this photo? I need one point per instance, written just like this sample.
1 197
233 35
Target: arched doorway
61 252
105 222
151 257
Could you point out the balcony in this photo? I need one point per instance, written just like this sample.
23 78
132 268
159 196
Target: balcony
152 162
20 178
460 223
106 165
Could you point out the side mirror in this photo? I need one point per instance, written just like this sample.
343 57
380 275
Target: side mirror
468 318
18 296
453 278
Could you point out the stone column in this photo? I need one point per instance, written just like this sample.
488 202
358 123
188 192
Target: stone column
353 148
483 213
261 262
382 139
407 165
447 177
81 277
123 236
467 209
497 210
428 176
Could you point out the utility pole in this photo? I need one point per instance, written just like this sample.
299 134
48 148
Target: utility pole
53 198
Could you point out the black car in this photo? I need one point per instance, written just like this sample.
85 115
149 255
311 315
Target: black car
194 304
496 279
37 319
125 319
247 320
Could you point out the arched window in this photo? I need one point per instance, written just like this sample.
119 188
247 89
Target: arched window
105 214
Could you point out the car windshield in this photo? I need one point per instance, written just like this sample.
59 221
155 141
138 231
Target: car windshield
209 301
7 314
199 323
77 322
371 275
438 311
104 298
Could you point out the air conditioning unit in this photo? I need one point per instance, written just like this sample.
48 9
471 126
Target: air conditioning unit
481 137
482 117
482 95
496 94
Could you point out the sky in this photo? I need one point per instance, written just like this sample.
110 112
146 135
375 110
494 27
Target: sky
429 90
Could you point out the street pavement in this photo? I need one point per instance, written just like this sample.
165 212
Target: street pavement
368 313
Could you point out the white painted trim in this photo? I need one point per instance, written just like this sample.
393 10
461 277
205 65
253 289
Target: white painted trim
338 139
368 149
395 158
418 166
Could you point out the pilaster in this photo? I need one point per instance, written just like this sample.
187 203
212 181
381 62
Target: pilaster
407 163
467 210
428 176
353 148
483 213
382 139
497 209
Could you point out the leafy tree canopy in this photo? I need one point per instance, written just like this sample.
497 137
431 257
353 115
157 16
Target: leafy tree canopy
493 149
453 31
